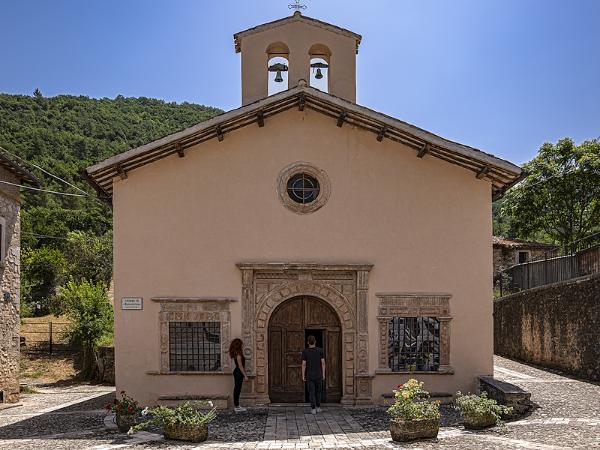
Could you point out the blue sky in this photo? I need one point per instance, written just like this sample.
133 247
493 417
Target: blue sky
501 75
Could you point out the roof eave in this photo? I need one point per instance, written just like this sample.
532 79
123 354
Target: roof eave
501 174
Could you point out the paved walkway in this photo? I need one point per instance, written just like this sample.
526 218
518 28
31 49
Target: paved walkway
73 418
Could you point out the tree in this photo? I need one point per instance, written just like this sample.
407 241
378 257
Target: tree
43 271
560 198
89 257
64 134
91 315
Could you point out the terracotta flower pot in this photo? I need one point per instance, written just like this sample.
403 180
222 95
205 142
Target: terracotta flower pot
479 422
408 430
185 432
125 422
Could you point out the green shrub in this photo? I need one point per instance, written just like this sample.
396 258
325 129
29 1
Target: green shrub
411 403
186 414
91 316
479 405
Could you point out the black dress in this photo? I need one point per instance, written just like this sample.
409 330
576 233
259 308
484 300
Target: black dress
238 378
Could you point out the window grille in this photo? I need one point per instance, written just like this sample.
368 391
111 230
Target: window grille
414 344
194 346
303 188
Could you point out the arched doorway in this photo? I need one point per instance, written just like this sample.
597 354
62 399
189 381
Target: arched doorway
290 325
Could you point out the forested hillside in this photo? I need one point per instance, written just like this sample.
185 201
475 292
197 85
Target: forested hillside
65 236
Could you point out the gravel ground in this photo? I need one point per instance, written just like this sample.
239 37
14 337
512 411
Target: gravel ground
72 418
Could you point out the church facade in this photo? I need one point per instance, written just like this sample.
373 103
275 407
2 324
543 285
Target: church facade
299 213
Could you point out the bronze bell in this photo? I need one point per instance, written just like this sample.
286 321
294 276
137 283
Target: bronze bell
319 74
278 77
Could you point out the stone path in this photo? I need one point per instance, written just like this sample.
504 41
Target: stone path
568 416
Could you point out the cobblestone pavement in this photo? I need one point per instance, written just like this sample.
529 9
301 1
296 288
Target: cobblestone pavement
567 416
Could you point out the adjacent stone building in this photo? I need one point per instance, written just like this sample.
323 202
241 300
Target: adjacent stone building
300 213
11 175
508 252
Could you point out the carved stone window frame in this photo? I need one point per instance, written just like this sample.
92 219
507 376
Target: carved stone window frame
194 309
297 168
414 304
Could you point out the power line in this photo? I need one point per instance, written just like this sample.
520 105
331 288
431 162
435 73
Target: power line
44 171
45 236
31 188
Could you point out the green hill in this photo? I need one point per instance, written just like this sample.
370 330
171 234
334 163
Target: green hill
63 135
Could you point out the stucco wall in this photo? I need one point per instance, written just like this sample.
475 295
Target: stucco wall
182 224
9 295
554 326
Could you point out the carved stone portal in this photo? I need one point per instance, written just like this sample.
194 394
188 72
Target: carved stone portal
343 286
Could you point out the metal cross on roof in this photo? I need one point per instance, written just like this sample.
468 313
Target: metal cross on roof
297 5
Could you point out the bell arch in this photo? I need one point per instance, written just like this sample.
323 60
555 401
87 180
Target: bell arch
343 287
320 66
278 63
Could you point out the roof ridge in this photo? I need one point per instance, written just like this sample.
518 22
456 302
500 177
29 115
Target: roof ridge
297 16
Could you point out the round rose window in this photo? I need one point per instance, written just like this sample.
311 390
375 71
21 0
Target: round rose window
303 188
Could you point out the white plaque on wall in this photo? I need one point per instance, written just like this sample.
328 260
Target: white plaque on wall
131 303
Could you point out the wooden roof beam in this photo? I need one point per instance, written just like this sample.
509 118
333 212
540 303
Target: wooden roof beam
179 150
260 117
424 150
381 133
483 172
220 134
122 173
301 103
342 118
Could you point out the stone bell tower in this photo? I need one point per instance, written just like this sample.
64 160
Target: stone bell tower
303 46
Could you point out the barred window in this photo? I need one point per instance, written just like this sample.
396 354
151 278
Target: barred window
414 344
194 346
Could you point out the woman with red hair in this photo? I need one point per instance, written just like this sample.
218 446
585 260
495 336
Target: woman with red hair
239 373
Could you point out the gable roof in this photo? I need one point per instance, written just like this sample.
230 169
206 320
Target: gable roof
20 172
502 174
296 17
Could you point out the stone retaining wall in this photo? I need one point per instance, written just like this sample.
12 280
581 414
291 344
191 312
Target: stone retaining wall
105 365
555 326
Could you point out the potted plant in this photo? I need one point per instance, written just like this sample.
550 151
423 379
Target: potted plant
187 422
478 411
413 415
126 410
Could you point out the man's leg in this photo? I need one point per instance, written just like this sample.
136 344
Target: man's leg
312 393
318 392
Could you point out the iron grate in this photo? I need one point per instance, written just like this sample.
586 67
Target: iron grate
414 344
194 346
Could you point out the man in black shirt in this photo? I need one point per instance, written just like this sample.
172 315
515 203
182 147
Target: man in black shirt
313 372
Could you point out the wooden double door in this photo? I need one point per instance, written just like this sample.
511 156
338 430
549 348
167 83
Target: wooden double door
289 327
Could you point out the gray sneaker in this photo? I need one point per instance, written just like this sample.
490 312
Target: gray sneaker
318 409
313 411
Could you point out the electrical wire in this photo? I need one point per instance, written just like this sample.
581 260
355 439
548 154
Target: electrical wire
44 171
31 188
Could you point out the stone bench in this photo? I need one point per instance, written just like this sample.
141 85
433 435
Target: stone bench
507 394
220 401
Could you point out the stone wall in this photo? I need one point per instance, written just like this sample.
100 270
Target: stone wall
9 295
105 365
554 326
505 257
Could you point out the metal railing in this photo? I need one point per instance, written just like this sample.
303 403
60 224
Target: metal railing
575 260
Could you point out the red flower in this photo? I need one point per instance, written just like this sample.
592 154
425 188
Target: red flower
130 409
400 386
